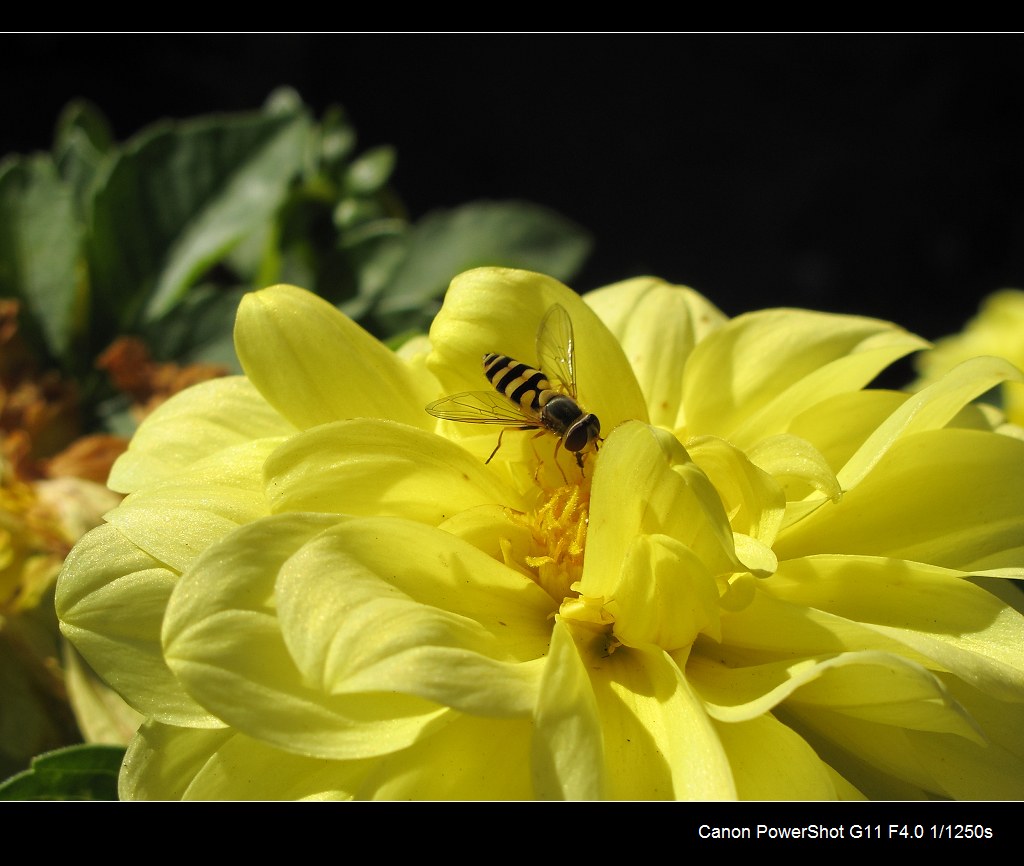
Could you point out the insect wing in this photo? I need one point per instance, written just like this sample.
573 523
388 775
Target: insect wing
556 348
481 407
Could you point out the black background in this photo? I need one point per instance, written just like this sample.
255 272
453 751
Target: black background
875 174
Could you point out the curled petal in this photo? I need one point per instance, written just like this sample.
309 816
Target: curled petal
669 495
839 425
758 626
490 528
163 760
756 556
873 754
869 685
803 472
165 763
468 759
753 500
665 595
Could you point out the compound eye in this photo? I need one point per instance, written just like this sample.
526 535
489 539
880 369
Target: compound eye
575 439
582 433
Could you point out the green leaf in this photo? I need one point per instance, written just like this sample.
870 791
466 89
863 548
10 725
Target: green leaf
337 138
375 260
371 171
80 118
302 248
87 772
82 145
39 249
178 198
505 234
199 328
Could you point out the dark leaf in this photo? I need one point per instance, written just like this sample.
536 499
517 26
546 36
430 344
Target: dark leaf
87 772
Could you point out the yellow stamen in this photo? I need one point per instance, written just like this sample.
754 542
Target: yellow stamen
559 531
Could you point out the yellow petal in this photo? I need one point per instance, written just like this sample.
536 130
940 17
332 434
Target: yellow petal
468 759
934 611
930 409
1001 721
771 365
380 468
102 715
568 750
161 761
756 556
489 528
658 741
838 425
212 498
657 325
757 626
889 690
853 698
939 763
110 599
179 763
996 330
753 500
799 468
665 595
223 641
192 425
315 365
950 497
395 607
871 685
668 495
770 761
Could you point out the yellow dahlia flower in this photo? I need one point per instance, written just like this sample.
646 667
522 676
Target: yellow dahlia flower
767 582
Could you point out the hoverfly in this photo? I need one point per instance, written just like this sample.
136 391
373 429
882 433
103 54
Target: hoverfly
530 398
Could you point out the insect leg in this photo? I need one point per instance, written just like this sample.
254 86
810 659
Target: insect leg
496 447
558 445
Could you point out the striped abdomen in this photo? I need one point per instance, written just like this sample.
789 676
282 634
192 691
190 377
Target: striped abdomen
525 386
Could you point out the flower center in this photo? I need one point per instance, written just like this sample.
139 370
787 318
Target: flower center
559 531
